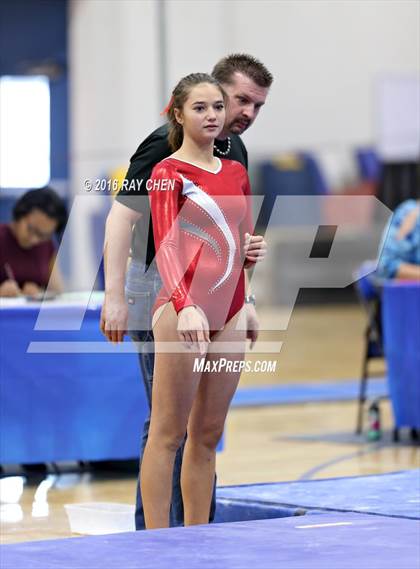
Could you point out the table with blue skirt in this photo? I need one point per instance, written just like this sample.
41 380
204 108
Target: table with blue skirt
66 394
401 332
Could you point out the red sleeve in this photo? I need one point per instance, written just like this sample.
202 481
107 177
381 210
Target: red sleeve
165 206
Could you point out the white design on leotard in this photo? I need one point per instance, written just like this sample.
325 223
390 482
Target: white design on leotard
193 229
207 203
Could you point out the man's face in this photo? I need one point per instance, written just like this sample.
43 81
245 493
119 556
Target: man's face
245 101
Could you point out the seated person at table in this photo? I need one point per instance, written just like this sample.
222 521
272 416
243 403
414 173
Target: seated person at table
27 251
400 247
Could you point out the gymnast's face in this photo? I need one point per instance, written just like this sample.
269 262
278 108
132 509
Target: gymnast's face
203 113
245 101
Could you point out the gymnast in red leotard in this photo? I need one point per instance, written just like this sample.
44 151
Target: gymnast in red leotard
202 224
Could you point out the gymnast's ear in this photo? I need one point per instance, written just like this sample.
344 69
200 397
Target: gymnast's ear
178 116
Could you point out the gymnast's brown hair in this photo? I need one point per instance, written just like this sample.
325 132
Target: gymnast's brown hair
179 96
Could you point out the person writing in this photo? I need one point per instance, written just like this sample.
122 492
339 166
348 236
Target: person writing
27 250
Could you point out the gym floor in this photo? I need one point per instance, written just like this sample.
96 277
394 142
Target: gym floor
262 444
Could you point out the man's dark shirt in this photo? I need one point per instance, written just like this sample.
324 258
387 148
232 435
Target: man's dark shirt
151 151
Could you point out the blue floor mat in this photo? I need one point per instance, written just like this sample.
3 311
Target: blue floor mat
396 494
306 392
335 540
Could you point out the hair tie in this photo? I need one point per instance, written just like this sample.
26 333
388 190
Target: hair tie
168 106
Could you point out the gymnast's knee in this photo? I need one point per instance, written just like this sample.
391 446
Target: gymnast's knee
207 436
168 441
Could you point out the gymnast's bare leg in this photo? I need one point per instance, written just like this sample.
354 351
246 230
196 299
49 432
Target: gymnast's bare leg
184 400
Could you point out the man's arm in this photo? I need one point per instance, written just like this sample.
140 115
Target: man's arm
118 233
126 210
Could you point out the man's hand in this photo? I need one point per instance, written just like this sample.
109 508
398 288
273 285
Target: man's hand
10 288
255 249
114 318
252 324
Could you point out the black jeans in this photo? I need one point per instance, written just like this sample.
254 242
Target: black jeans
141 291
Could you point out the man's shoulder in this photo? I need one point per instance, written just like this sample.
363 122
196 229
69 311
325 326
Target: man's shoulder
237 141
238 151
158 139
163 165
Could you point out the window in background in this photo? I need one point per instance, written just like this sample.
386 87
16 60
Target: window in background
24 132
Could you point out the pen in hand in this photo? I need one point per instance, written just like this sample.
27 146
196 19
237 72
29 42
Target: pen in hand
10 286
9 272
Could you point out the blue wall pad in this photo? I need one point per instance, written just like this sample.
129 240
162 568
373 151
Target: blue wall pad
66 406
333 541
306 393
401 333
396 494
86 404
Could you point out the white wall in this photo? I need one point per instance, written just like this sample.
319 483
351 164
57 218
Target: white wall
114 103
198 34
114 68
325 55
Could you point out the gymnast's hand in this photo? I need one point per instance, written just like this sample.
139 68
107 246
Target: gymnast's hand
193 328
255 249
114 318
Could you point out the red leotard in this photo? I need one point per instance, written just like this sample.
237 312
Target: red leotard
199 222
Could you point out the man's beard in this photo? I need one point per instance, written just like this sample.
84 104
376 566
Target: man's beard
239 126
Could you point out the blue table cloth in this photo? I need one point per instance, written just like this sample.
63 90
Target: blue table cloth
66 406
401 330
